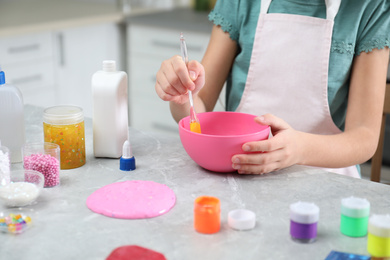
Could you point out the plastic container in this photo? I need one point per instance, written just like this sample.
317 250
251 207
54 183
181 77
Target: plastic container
14 223
12 131
207 215
241 219
5 165
223 134
23 189
44 158
110 111
64 125
378 239
304 217
354 216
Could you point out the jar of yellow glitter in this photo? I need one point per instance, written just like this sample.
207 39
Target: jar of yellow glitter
64 125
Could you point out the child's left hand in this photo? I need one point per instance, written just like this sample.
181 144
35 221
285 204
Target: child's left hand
280 151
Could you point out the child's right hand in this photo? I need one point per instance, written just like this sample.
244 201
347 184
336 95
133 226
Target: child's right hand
174 79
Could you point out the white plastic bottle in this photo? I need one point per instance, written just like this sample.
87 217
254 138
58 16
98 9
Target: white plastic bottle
110 111
12 131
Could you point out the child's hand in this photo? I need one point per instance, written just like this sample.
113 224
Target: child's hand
174 79
280 151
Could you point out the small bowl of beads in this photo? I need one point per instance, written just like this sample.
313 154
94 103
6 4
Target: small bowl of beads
14 223
23 189
44 158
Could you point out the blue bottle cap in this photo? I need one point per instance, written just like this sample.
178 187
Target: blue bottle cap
127 164
2 77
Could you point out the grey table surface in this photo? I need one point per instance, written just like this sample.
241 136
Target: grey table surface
64 228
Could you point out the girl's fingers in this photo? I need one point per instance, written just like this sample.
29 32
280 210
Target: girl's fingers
259 169
258 158
162 94
181 78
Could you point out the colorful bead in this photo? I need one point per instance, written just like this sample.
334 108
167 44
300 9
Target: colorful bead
15 224
47 165
27 219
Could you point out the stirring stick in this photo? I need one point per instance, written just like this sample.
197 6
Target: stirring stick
194 122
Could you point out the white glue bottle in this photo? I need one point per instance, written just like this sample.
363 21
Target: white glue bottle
110 111
12 131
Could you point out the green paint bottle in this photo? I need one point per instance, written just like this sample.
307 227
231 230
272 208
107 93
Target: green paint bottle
354 216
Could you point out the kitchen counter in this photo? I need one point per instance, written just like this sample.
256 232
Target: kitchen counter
64 228
22 17
176 19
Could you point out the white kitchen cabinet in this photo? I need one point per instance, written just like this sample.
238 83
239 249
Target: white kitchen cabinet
28 62
80 52
55 67
148 47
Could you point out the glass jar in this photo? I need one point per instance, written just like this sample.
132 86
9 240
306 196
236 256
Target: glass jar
64 125
44 158
4 165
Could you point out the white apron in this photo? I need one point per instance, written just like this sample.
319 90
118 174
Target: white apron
288 72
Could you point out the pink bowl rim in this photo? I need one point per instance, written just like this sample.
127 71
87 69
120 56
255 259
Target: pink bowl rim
266 129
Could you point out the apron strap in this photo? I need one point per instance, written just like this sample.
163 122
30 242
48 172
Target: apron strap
332 8
265 6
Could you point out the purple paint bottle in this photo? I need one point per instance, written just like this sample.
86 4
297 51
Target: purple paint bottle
303 221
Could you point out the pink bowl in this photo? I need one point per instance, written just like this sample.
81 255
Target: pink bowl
223 134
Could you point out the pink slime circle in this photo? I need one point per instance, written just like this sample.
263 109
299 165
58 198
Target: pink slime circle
132 200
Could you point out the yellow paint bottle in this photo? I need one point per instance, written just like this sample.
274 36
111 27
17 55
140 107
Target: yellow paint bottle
378 240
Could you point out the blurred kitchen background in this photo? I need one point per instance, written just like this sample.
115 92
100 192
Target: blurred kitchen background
49 49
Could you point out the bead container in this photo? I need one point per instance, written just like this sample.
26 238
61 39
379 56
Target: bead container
14 223
44 158
64 125
24 188
303 221
354 216
207 215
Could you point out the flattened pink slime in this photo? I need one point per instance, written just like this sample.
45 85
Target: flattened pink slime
132 200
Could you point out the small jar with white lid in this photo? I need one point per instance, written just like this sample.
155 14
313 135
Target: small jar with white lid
378 240
64 125
354 216
304 217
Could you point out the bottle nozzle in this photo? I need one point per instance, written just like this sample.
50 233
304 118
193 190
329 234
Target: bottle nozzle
127 161
126 151
109 65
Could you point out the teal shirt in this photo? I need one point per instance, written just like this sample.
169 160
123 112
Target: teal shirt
360 25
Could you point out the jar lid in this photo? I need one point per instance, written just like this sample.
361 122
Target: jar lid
379 225
207 202
63 115
304 212
241 219
355 207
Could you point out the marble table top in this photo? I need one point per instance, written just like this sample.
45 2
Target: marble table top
64 228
